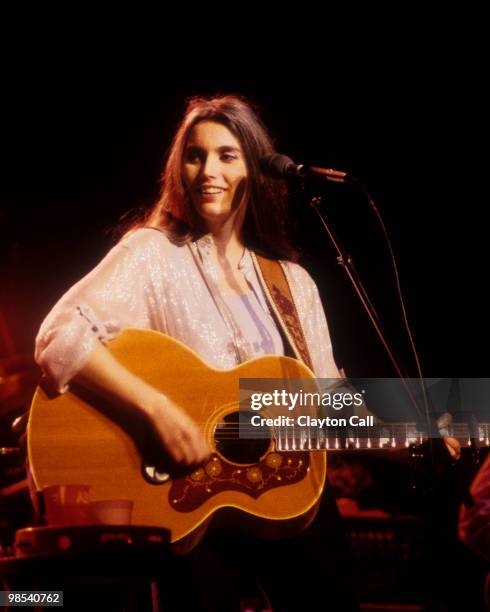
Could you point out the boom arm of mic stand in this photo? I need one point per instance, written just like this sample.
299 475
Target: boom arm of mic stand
345 261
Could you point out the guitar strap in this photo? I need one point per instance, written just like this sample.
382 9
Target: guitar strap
278 292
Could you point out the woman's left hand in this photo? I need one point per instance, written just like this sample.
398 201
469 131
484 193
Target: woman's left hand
453 446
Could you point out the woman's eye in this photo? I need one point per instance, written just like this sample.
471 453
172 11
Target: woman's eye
191 157
228 157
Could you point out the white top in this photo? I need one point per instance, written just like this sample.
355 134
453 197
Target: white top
147 281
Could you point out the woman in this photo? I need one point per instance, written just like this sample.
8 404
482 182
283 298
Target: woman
189 269
215 208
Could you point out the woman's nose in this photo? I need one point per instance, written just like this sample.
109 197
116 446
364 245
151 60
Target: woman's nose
210 166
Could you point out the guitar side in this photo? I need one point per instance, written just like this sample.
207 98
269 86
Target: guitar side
71 442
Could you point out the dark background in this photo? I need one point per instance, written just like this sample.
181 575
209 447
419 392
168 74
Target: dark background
84 143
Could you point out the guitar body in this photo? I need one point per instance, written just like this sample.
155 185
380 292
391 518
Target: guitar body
272 493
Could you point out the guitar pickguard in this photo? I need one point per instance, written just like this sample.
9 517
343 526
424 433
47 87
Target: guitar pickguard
275 470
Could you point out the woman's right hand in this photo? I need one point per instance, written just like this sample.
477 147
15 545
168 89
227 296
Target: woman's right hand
179 435
181 438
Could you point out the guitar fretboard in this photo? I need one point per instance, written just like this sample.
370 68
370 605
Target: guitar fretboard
386 436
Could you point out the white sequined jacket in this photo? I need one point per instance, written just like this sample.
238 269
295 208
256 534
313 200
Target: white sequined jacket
149 282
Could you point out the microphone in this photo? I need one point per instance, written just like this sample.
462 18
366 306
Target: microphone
282 166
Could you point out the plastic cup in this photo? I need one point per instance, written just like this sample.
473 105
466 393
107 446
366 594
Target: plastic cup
67 505
112 511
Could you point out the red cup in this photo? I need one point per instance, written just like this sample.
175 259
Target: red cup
67 505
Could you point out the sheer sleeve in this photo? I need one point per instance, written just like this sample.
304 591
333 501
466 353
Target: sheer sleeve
111 297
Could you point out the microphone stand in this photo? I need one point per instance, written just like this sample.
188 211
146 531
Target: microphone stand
346 262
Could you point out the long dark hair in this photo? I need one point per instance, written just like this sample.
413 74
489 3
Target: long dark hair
264 226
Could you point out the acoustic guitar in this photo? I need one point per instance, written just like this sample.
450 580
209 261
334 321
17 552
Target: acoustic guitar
271 485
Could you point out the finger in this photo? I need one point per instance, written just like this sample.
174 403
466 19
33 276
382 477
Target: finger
198 454
453 447
177 448
189 455
200 448
176 453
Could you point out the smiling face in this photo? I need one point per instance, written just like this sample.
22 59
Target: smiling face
214 172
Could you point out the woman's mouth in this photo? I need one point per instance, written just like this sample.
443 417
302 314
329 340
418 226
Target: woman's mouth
210 194
211 190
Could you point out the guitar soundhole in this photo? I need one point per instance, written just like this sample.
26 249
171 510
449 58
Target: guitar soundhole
233 447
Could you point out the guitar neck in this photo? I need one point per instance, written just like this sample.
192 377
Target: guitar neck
385 436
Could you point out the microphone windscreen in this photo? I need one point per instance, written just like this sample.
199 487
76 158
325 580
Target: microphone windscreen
276 165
